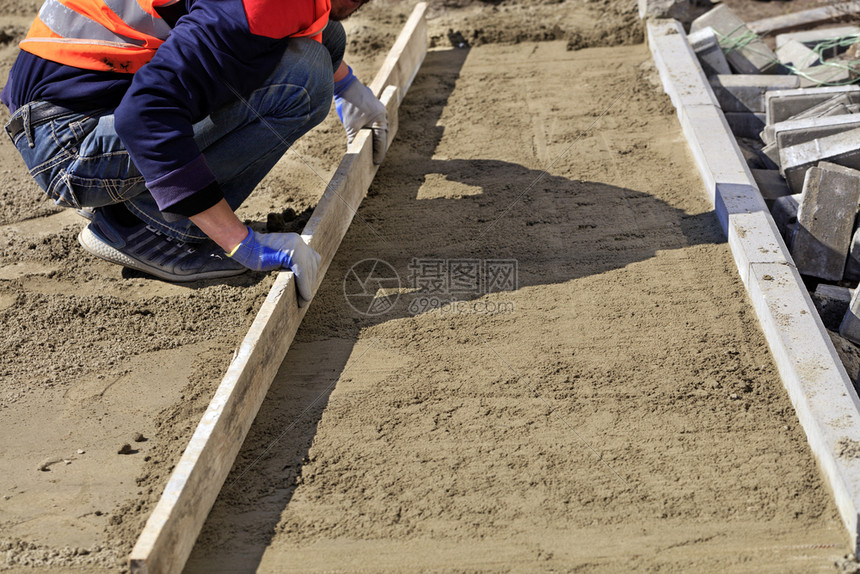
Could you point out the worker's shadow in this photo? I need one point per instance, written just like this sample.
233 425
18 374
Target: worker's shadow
534 227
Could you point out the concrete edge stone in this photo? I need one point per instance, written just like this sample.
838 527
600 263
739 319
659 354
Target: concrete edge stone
753 236
677 60
823 396
712 142
820 391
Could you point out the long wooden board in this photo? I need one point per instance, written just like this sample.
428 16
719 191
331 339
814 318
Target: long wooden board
805 18
172 528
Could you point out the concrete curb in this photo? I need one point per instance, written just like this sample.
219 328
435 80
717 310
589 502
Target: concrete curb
822 394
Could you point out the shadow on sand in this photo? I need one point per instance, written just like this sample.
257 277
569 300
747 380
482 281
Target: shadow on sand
556 229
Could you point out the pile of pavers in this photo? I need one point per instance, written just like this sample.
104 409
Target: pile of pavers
795 111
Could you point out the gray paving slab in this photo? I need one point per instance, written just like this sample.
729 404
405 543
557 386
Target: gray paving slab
745 52
782 105
794 53
827 73
784 213
745 92
793 132
825 220
837 105
850 326
842 149
771 152
707 48
852 264
832 302
745 124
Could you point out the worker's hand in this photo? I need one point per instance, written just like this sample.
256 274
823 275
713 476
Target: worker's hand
358 108
269 251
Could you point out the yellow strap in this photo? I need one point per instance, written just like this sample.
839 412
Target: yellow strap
235 249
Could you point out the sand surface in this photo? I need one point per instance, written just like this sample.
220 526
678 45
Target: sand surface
614 407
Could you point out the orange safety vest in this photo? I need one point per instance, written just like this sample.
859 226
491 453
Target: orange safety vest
123 35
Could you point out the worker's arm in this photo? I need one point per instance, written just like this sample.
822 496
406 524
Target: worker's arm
341 72
221 225
358 108
260 251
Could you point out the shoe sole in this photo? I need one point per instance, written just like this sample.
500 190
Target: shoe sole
90 242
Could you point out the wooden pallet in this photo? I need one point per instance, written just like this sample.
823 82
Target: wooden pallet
172 528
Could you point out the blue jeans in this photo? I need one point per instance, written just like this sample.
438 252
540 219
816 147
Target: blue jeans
79 160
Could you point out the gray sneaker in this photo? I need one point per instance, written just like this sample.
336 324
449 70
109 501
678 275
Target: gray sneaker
144 248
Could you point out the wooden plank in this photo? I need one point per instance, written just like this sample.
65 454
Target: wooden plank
333 214
804 19
402 63
172 528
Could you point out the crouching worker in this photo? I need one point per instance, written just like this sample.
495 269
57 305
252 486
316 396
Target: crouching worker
161 116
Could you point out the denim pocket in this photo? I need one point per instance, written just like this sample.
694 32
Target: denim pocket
68 135
57 145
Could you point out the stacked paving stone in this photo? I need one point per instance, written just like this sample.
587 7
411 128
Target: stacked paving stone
795 111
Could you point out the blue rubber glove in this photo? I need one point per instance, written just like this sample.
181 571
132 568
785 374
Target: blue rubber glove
270 251
358 108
